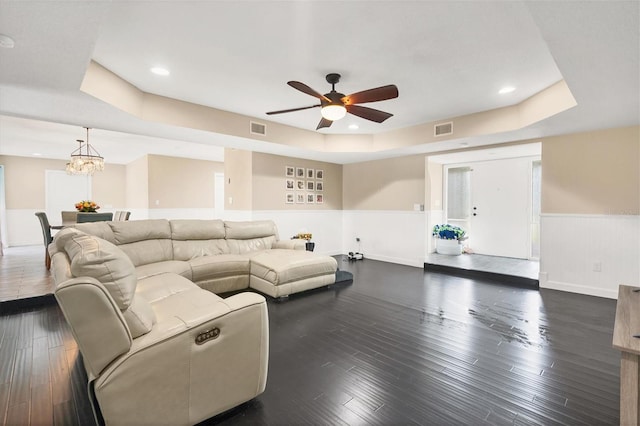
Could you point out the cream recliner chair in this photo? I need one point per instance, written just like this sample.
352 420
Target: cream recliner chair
159 350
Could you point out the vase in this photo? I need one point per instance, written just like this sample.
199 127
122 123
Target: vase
450 247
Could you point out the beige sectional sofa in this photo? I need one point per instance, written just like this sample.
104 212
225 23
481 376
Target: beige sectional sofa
159 346
219 256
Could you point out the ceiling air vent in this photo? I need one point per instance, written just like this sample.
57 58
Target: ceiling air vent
443 129
258 129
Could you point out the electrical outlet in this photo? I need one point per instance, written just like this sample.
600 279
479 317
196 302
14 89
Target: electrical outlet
597 267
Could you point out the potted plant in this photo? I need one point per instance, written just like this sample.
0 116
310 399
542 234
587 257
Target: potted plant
449 239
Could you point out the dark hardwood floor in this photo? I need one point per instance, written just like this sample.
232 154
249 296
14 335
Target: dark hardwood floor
397 346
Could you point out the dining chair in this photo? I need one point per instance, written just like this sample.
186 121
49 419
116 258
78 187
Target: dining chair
93 217
46 235
69 217
121 215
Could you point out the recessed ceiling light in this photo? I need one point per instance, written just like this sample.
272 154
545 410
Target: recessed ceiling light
353 127
6 42
506 90
160 71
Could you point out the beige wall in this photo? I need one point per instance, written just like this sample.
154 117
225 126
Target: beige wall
238 180
137 184
391 184
181 182
592 173
25 182
110 186
269 183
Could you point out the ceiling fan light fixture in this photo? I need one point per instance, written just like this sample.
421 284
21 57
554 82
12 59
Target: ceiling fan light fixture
333 112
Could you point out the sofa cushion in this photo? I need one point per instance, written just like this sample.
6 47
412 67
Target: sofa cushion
131 231
223 265
97 229
192 229
195 238
178 267
249 230
250 245
172 296
97 258
94 257
284 266
191 249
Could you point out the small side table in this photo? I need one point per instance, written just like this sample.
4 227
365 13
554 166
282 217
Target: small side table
310 246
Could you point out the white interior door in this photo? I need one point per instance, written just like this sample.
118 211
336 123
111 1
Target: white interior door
500 203
63 191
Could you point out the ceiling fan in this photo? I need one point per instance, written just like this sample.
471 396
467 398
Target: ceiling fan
335 105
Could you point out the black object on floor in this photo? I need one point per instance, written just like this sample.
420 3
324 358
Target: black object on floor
343 276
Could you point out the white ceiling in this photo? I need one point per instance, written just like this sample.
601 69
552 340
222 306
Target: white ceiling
447 59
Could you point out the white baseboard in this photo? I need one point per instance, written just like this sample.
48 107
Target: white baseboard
581 289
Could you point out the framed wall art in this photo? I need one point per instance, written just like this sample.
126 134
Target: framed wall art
289 171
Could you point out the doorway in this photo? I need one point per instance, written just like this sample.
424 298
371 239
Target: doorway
494 202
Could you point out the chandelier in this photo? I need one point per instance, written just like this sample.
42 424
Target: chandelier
85 160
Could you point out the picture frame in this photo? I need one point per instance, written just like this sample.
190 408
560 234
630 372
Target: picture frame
311 185
290 184
289 198
319 186
319 199
300 198
300 172
289 171
311 198
300 185
311 173
319 174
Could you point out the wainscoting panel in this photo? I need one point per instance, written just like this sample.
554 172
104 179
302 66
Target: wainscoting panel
23 228
390 236
432 217
325 225
589 254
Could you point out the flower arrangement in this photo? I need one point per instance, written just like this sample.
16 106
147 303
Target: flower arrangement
449 232
303 237
87 206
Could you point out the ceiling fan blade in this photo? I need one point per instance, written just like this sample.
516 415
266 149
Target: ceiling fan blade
372 95
368 113
291 110
324 123
306 89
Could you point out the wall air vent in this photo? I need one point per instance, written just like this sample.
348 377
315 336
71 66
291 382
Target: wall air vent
258 129
443 129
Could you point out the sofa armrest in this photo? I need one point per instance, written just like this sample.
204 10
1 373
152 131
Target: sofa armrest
96 322
184 373
294 244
